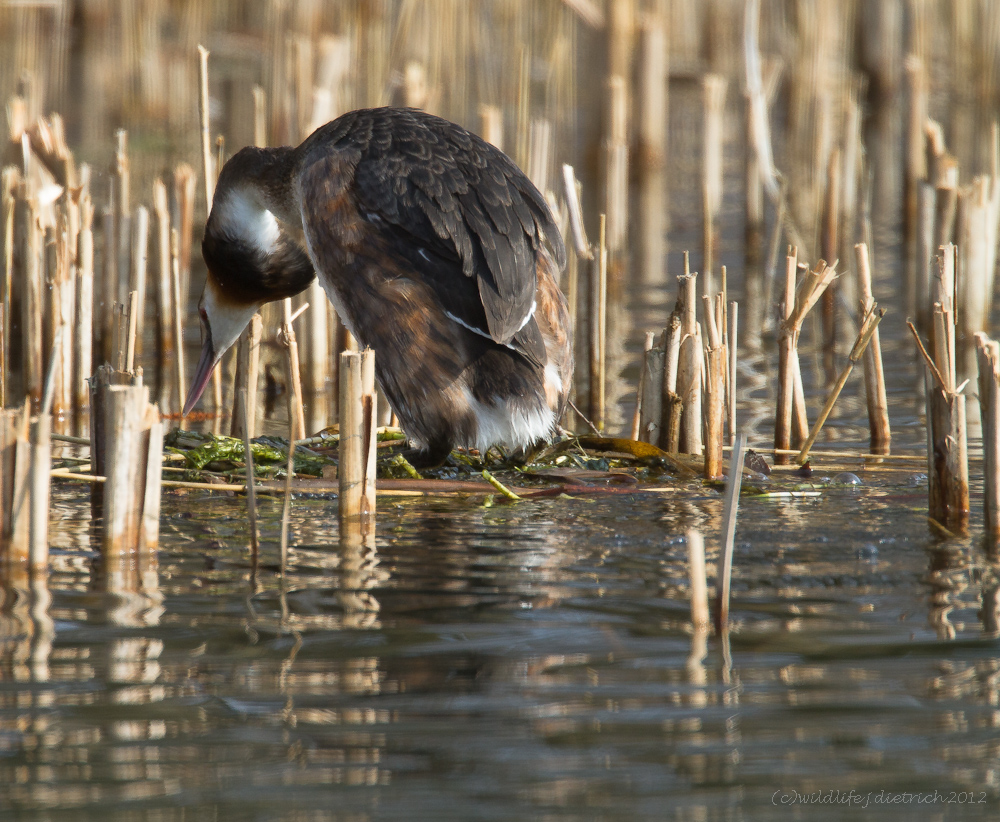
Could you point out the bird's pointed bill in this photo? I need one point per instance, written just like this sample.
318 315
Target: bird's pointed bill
206 363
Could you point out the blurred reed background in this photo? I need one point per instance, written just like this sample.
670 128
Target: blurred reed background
646 99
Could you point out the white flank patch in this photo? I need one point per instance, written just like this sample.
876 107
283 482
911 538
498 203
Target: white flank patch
243 217
507 425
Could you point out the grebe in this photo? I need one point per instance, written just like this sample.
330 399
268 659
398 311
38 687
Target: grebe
437 252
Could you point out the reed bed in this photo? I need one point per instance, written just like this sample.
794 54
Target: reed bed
108 174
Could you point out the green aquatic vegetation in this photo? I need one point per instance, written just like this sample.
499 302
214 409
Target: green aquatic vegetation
269 454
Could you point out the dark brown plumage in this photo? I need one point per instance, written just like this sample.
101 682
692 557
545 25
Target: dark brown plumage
435 248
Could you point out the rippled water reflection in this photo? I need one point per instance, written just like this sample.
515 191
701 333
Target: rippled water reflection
509 662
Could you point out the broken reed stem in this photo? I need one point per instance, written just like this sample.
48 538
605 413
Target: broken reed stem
875 394
32 297
731 381
715 391
165 340
698 582
356 470
798 302
83 365
947 452
729 511
868 328
690 366
598 324
671 405
296 413
132 323
988 357
133 448
247 370
244 404
648 395
177 313
137 282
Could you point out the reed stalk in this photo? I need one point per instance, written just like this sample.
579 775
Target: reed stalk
357 436
671 406
875 394
166 336
988 357
83 343
690 367
138 276
868 328
296 413
247 377
598 328
732 348
178 318
646 425
715 391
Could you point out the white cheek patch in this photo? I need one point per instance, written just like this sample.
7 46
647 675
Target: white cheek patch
242 217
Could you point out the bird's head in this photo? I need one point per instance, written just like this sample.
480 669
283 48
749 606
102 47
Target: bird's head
253 257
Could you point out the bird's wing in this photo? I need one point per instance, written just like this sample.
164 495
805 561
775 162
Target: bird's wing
454 203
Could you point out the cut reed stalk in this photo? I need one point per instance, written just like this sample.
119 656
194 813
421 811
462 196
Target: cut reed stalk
83 345
646 426
178 318
166 336
947 452
133 449
732 348
715 391
978 225
137 281
798 302
357 436
878 404
41 462
15 483
247 376
296 414
830 246
690 367
671 405
988 357
598 325
32 299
